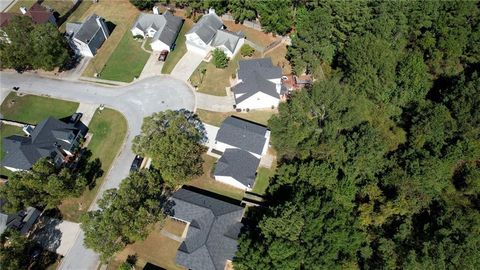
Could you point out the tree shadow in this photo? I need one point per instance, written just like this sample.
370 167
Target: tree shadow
47 235
63 19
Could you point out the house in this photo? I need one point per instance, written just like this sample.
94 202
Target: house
21 221
237 168
38 13
258 85
213 226
209 33
51 138
163 29
87 37
241 145
241 134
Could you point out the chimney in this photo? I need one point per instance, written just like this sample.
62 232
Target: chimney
155 10
23 10
102 26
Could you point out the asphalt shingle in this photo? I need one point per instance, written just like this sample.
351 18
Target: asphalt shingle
242 134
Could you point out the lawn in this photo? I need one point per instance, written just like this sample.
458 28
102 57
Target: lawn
206 182
258 37
215 79
263 180
126 62
180 48
33 109
156 249
216 118
5 131
122 14
278 55
109 128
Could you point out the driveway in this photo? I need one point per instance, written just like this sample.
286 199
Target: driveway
187 65
214 103
134 101
56 235
153 67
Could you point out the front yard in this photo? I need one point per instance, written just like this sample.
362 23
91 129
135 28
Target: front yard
5 131
119 12
127 61
180 48
109 129
33 109
216 118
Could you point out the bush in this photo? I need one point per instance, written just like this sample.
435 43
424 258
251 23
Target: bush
220 59
247 50
144 4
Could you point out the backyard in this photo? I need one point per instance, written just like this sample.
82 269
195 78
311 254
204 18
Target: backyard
263 180
206 182
180 48
33 109
157 248
258 37
216 118
215 80
127 60
278 55
109 128
122 14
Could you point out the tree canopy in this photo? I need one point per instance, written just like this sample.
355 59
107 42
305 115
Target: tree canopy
126 214
173 139
379 162
220 59
39 46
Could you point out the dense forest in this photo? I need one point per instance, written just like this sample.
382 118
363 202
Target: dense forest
379 163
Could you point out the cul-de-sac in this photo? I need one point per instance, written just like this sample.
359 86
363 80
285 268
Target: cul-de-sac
239 134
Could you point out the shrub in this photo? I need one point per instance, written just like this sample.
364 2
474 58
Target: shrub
144 4
220 59
247 50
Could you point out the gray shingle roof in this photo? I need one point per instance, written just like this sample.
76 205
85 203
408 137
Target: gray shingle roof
46 140
88 29
167 26
212 234
242 134
227 38
239 164
255 75
22 220
207 27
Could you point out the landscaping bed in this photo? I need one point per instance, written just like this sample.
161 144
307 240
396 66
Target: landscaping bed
33 109
126 62
109 129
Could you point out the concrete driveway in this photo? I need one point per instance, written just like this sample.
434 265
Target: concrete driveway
187 65
215 103
153 67
134 101
56 235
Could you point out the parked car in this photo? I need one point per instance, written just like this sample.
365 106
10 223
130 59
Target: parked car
75 117
137 161
163 55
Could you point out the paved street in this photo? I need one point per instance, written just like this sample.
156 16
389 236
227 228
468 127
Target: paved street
135 101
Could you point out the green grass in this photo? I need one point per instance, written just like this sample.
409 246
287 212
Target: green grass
126 62
109 128
216 118
263 180
33 109
5 131
180 49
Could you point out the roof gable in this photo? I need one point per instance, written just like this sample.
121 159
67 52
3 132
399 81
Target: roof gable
242 134
239 164
207 27
166 26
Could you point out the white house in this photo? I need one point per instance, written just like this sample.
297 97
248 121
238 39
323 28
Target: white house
209 33
163 29
87 37
259 84
242 145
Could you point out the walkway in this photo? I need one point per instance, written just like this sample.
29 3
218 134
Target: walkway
187 65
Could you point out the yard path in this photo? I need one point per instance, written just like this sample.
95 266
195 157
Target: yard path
135 101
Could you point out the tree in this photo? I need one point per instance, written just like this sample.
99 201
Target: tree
220 59
126 214
144 4
13 251
275 15
173 139
242 10
247 50
33 46
43 186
